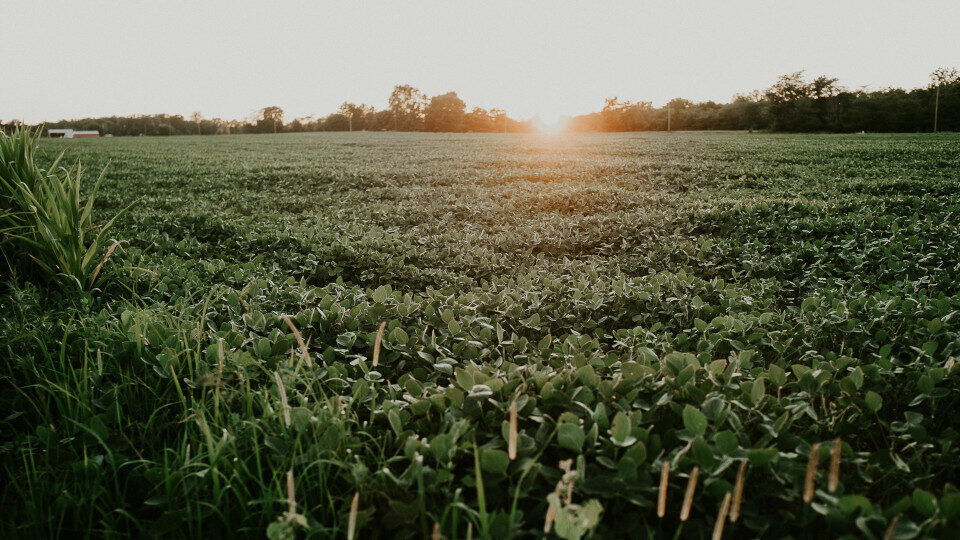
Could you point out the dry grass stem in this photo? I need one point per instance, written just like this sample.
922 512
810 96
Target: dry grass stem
376 343
96 270
284 406
304 353
512 440
721 517
352 521
834 478
662 494
291 494
892 528
688 496
738 491
811 478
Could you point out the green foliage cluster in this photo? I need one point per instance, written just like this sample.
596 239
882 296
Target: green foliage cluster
47 226
707 300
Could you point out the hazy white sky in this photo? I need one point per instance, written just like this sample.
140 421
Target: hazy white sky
69 59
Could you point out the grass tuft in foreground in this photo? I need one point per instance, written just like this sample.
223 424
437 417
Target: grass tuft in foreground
45 220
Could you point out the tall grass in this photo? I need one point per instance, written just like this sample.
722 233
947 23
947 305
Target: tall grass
45 220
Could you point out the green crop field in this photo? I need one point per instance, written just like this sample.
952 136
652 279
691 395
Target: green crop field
771 320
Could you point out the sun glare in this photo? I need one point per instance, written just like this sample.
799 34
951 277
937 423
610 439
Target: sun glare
550 123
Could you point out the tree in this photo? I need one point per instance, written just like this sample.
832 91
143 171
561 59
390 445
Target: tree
499 119
824 87
196 118
382 120
789 87
787 103
615 115
944 76
679 104
358 116
271 120
445 113
407 104
479 120
336 122
743 112
945 83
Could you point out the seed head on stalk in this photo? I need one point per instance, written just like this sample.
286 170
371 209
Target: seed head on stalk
811 477
662 494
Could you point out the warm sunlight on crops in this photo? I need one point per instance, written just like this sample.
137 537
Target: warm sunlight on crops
550 124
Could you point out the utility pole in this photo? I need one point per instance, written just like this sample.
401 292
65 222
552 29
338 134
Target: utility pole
350 120
668 117
936 108
504 121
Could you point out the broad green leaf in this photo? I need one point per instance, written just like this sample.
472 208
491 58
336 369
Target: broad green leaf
694 420
925 502
726 442
756 392
494 461
702 452
873 401
849 504
394 418
571 437
950 505
620 430
761 456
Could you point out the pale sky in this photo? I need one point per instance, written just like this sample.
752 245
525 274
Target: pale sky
71 59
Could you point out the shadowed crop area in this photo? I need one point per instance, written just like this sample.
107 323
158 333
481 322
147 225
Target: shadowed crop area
397 335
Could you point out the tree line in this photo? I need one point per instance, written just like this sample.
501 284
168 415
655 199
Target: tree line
408 109
795 104
792 104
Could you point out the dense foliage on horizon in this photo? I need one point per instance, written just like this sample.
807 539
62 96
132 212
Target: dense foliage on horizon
792 104
719 302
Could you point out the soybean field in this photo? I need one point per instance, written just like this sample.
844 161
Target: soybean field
397 335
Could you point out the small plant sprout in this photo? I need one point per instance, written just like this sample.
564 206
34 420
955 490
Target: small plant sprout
437 532
811 477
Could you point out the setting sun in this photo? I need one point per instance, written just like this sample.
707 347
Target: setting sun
550 123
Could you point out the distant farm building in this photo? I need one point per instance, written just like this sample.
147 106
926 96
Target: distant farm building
71 134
